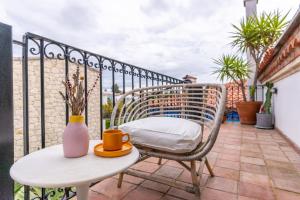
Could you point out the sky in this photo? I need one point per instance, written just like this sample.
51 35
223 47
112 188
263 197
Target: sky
173 37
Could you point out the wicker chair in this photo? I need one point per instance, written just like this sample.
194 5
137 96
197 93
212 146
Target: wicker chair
201 103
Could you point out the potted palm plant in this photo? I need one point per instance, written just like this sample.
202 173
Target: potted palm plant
264 117
254 35
236 69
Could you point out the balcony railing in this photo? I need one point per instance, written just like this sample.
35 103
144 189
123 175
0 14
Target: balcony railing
43 65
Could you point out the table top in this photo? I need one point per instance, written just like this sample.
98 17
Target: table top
48 167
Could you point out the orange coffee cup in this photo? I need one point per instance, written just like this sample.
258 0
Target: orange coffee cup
113 139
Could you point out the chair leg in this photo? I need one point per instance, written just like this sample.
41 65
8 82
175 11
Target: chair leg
209 168
159 161
195 180
121 175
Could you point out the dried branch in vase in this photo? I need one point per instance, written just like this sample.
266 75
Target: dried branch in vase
75 93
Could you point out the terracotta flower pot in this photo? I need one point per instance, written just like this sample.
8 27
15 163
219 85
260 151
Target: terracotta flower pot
247 111
76 138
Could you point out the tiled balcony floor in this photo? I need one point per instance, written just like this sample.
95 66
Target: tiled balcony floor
249 164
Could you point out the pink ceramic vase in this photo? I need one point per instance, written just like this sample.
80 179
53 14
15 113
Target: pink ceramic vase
76 138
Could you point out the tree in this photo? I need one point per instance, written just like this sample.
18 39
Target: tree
256 34
107 108
233 68
115 88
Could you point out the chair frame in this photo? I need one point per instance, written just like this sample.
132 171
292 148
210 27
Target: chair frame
201 103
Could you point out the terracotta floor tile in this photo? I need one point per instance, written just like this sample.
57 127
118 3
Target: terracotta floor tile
168 171
133 179
185 176
273 152
235 141
282 173
109 189
155 160
250 147
287 184
246 198
227 173
182 194
217 149
155 186
173 163
256 169
168 197
228 164
285 165
294 159
250 160
212 156
270 147
142 193
219 183
231 157
230 151
96 196
146 167
251 154
297 166
287 149
255 191
211 194
234 147
258 179
276 158
285 195
249 134
267 142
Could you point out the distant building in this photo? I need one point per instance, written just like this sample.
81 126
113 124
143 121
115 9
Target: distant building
189 79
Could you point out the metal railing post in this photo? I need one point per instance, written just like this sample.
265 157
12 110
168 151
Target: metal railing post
6 114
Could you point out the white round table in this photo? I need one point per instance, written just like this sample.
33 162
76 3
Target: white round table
48 168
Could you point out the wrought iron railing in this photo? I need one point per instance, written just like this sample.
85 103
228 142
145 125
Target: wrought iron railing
42 49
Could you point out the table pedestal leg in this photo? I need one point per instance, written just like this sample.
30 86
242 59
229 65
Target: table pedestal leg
82 192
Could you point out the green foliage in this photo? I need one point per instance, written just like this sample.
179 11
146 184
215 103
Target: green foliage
232 68
107 123
116 88
252 90
36 192
266 107
107 108
256 34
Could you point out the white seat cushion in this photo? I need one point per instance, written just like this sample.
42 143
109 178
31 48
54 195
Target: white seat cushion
169 134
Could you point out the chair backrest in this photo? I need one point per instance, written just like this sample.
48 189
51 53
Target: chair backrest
201 103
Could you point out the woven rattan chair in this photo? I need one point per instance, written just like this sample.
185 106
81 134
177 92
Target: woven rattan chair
200 103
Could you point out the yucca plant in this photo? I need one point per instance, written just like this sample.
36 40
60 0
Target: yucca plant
233 68
256 34
75 92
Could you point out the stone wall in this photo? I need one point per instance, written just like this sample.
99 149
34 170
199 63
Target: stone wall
54 106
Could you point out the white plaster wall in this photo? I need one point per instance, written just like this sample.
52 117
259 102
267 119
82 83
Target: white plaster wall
287 107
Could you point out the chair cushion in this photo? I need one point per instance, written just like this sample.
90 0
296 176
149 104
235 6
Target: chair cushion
169 134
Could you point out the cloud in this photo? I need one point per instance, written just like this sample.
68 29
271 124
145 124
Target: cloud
174 37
